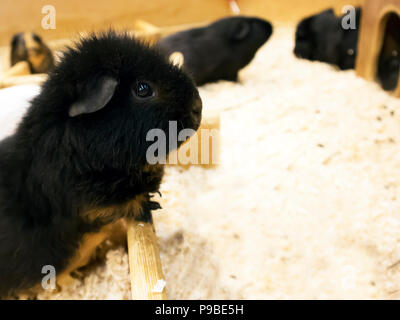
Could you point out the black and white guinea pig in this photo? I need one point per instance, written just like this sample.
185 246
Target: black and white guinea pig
219 50
321 37
77 163
28 46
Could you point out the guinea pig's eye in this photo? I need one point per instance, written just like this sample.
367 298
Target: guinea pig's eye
143 90
350 52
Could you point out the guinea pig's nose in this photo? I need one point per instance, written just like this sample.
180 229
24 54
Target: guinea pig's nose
197 106
269 28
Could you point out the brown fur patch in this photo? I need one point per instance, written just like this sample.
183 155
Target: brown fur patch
132 208
113 230
87 248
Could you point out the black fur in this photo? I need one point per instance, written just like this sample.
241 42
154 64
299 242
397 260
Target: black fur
220 50
322 38
389 59
388 71
56 165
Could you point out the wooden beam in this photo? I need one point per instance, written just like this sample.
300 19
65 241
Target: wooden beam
90 15
20 80
291 11
147 278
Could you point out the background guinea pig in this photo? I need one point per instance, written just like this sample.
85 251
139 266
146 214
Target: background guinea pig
322 38
77 162
30 47
318 37
389 59
220 50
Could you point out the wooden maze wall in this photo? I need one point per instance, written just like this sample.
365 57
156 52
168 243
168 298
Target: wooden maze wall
86 15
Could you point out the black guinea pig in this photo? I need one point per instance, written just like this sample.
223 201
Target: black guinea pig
321 37
77 162
30 47
318 37
219 50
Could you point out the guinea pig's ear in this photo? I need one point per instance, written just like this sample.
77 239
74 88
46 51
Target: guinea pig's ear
240 30
328 11
177 59
96 97
14 40
37 38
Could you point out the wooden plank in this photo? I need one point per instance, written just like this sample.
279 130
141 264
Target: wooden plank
291 11
147 278
90 15
6 82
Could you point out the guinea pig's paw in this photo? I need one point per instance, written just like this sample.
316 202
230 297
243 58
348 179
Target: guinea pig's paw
147 207
157 192
151 203
154 205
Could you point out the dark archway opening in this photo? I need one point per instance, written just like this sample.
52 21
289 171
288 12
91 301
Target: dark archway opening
389 57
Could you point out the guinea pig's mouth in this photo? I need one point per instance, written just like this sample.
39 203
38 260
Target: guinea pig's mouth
196 113
301 53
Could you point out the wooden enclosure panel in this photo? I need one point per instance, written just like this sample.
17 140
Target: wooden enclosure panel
73 16
373 25
291 10
86 15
